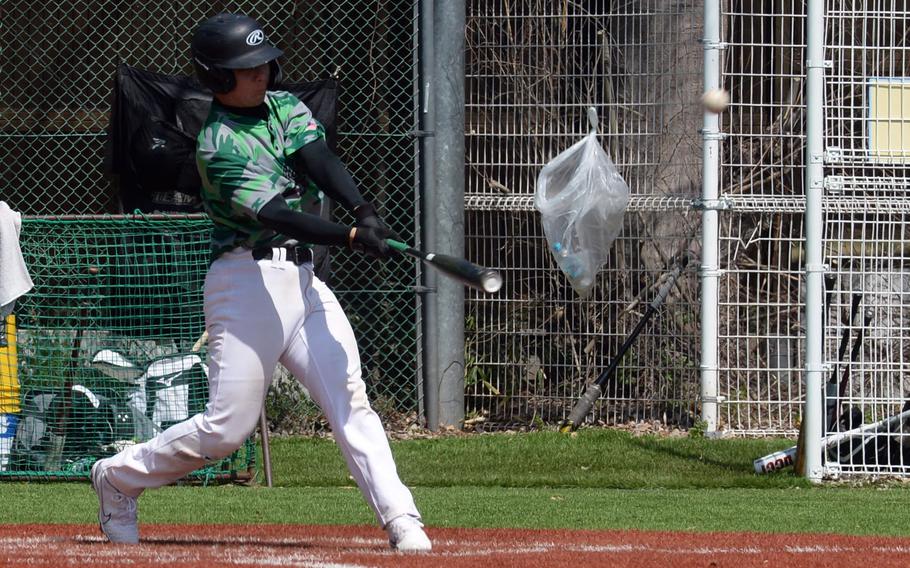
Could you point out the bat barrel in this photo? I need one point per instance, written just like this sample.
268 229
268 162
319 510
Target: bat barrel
490 280
477 277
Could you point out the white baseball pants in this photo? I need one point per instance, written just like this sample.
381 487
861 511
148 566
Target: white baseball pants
259 313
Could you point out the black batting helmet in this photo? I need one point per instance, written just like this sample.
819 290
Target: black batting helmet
226 42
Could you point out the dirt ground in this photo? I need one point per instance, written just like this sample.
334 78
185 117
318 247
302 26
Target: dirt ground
186 546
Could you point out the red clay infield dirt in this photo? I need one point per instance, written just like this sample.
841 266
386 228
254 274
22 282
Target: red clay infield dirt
185 546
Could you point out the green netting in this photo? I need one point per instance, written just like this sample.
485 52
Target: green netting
104 352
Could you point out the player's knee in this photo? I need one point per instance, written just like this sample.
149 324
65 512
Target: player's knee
223 440
222 446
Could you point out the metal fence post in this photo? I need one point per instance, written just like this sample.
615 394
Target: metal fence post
427 200
709 263
448 217
815 100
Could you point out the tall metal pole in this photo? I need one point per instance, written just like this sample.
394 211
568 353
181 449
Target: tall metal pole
448 87
427 203
710 272
815 268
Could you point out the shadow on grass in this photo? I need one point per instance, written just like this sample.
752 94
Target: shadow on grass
696 451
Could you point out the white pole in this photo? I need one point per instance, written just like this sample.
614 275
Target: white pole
710 272
815 99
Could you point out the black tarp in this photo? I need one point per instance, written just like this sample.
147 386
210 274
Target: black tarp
155 119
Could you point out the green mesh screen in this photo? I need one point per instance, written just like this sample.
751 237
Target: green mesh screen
107 342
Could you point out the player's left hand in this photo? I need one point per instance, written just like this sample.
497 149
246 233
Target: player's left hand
367 217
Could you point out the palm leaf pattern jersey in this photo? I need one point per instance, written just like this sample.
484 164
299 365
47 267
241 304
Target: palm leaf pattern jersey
244 163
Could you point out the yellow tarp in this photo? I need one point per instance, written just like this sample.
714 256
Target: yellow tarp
9 369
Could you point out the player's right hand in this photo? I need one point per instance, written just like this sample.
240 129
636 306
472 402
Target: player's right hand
372 241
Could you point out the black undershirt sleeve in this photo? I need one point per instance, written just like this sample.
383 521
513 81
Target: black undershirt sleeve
304 227
325 168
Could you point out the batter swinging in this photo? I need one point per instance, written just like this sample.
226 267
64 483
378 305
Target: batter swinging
263 303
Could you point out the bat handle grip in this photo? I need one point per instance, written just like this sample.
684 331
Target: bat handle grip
407 249
582 407
397 245
664 290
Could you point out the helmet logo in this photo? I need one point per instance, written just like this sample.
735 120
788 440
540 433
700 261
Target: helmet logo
255 38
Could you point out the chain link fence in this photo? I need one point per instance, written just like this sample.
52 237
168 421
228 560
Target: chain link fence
533 67
762 173
867 101
59 62
763 182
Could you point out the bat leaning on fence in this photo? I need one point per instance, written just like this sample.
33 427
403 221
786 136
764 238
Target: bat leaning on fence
595 389
477 277
854 357
831 387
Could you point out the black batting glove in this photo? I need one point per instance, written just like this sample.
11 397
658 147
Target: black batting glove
367 217
371 241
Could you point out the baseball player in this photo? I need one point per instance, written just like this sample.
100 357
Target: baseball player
263 304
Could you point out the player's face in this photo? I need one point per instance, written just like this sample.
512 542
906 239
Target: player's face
251 86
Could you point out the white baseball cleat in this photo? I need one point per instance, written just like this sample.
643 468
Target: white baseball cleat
117 514
406 535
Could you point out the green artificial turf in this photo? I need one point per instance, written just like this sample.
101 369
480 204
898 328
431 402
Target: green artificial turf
600 479
593 458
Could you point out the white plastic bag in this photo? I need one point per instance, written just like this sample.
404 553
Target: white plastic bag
581 198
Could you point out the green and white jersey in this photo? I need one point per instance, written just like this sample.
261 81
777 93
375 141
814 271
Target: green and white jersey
243 163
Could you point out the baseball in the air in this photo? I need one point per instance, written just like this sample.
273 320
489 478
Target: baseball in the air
716 100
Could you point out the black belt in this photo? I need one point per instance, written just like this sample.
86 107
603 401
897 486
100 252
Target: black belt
298 254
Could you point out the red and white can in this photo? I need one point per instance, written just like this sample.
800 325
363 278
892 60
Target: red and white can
775 461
